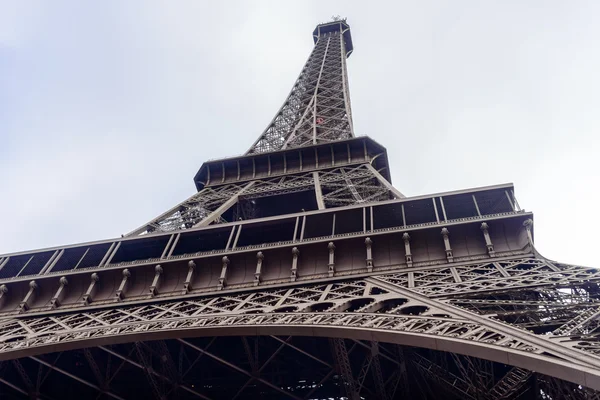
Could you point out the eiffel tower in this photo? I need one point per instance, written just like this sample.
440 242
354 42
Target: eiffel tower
298 271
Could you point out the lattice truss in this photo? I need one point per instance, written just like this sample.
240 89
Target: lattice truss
340 187
275 367
193 210
531 307
270 367
317 109
352 185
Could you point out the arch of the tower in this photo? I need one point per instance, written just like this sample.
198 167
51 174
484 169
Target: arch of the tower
413 326
288 361
530 314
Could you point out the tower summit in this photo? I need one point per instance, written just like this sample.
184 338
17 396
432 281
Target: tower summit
308 157
339 25
299 271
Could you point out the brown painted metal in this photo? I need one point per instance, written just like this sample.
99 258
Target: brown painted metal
302 250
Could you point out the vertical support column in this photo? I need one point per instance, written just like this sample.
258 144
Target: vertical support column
380 388
48 263
109 259
170 253
3 294
445 234
88 297
342 363
443 208
302 228
5 261
516 205
53 263
230 237
158 270
294 274
476 205
296 229
120 294
25 304
259 260
411 279
510 201
170 247
528 224
408 254
187 285
166 249
437 216
223 277
237 237
332 156
318 192
488 240
333 225
315 120
368 244
60 293
345 83
349 154
331 264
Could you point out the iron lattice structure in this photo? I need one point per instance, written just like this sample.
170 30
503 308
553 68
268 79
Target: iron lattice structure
317 109
298 271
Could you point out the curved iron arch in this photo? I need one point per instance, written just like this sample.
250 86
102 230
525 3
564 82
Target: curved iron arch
396 329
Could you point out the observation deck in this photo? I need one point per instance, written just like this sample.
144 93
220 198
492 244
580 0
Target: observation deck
334 26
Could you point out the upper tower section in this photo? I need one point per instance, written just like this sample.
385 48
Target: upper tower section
339 26
317 110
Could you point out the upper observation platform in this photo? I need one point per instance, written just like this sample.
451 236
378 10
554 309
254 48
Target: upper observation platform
334 26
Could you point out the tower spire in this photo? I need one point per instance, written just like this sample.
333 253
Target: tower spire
307 159
317 110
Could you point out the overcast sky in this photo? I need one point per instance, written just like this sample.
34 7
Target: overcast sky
108 108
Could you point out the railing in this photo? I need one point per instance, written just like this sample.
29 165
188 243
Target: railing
278 244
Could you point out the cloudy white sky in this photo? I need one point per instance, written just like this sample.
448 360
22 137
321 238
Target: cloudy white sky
108 108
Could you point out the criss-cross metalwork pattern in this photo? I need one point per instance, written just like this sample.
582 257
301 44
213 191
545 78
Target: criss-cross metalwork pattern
439 296
279 367
317 109
561 328
341 186
370 304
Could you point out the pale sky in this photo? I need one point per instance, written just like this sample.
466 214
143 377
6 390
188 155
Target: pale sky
108 108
